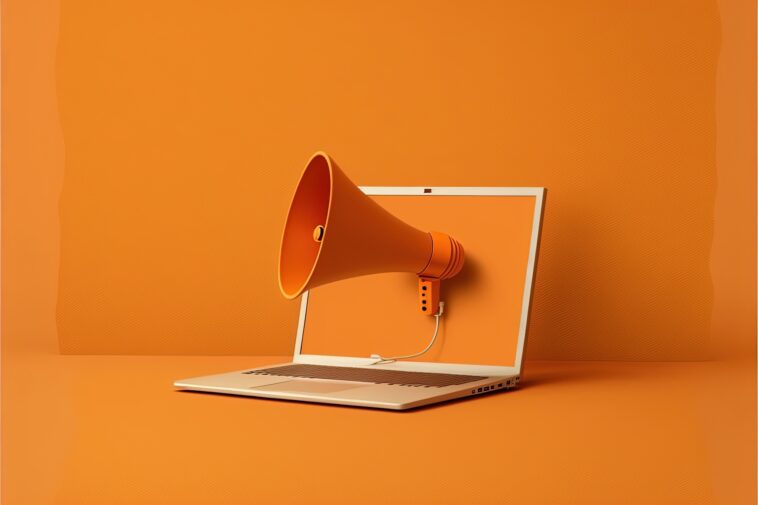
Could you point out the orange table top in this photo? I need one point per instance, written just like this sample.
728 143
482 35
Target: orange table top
81 430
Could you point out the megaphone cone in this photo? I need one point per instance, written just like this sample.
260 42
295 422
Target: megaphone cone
334 231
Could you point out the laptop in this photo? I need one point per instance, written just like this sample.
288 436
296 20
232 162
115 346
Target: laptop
475 347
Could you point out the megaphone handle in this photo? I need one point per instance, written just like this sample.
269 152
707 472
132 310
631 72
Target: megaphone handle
428 295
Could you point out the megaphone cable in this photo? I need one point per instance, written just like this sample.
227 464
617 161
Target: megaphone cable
381 360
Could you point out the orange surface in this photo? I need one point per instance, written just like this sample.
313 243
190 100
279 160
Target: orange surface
94 430
183 144
482 304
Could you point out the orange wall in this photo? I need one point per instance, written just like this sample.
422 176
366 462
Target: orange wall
185 128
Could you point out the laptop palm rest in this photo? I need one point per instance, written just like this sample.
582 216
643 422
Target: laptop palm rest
301 386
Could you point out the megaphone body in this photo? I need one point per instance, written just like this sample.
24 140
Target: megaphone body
334 232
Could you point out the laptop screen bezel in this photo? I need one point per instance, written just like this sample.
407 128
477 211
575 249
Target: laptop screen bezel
462 368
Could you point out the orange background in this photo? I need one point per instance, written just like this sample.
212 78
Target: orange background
149 151
186 125
482 303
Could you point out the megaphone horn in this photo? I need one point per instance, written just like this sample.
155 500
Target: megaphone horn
334 232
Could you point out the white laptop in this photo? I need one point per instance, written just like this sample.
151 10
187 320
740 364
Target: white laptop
477 345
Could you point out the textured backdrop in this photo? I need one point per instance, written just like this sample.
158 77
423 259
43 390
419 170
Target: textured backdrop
183 131
186 126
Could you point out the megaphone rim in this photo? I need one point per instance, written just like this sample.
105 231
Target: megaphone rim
329 161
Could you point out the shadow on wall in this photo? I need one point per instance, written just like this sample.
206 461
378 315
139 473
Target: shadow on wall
586 278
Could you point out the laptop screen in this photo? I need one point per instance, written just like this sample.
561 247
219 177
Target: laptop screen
483 318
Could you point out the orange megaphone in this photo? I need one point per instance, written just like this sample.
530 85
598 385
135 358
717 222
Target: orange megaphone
334 231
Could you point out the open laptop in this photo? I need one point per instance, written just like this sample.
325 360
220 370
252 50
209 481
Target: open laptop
482 334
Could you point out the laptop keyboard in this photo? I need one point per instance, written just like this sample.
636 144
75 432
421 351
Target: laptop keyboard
373 376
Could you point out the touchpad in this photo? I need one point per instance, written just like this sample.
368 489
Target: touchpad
296 386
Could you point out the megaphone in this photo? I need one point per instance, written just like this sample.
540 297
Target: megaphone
334 231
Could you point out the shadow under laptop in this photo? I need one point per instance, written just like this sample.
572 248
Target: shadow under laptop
350 407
